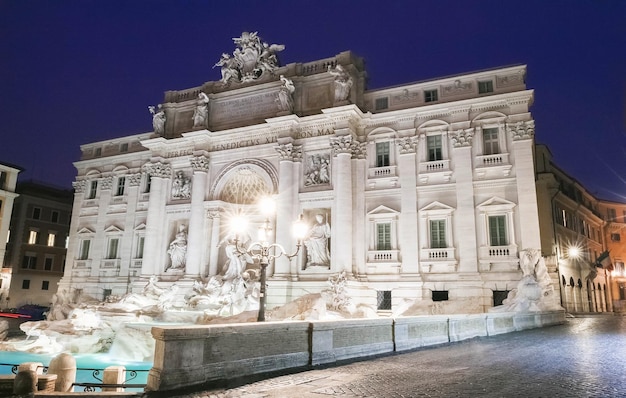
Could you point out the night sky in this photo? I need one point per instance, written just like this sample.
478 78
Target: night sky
76 72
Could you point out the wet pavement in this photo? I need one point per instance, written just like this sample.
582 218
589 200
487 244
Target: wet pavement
585 357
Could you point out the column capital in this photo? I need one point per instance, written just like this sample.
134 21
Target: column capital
158 169
79 186
341 144
134 180
462 138
289 152
200 163
521 130
107 183
407 144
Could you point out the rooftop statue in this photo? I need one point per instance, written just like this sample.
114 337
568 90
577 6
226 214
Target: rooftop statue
158 119
251 59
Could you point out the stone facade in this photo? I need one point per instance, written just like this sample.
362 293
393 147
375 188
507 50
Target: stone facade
427 190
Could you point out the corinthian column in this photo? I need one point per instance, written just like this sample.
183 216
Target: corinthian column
195 238
341 247
154 245
289 156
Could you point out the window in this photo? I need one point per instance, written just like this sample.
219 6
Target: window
383 240
29 261
485 87
84 249
430 96
139 253
45 285
490 141
615 237
3 179
26 284
499 296
382 103
51 239
47 265
98 152
497 231
124 147
93 189
54 217
36 213
33 237
440 295
434 147
121 181
438 234
622 291
112 250
148 181
612 214
382 154
0 205
106 293
383 299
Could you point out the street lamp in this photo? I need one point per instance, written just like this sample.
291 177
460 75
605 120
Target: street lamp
262 250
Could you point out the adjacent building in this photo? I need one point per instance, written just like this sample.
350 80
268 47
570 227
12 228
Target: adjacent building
573 237
423 191
8 180
615 238
37 248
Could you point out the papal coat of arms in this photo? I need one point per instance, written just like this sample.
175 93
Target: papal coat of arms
251 59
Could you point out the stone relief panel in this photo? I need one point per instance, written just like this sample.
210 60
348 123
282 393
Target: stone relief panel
317 169
181 186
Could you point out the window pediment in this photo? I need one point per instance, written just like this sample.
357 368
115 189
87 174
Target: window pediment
496 203
382 211
113 229
85 231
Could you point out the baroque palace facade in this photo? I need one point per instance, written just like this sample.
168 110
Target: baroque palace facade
424 191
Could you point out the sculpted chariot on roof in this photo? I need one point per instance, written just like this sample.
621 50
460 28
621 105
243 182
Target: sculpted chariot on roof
251 59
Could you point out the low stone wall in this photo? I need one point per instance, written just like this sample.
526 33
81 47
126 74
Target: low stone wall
185 356
333 341
188 356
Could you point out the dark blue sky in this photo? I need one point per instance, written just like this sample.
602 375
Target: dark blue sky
75 72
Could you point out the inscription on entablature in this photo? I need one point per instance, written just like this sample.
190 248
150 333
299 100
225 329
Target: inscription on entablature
313 133
244 143
246 108
175 154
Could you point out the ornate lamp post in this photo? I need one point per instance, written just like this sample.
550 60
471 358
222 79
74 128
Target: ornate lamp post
263 250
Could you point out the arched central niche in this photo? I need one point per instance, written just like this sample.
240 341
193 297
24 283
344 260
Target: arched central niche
244 182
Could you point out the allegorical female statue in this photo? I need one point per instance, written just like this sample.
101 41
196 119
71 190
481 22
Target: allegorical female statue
316 243
178 249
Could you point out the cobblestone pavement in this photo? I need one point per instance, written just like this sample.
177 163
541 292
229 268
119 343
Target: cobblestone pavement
586 357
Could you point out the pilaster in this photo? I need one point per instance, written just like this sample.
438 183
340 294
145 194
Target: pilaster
465 232
522 135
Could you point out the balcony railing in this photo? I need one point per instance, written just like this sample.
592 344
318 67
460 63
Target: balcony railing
434 166
497 159
382 256
442 254
382 172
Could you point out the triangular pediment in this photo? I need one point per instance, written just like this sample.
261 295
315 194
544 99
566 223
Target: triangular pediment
437 206
496 201
382 210
140 227
85 230
113 228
